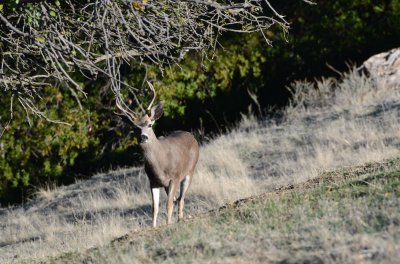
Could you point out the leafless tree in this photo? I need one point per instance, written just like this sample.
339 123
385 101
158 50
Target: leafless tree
52 42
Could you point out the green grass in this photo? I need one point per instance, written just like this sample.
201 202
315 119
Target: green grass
348 220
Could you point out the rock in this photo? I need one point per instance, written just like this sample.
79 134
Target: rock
384 68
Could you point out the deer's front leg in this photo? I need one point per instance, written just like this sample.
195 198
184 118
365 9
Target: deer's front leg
155 193
170 204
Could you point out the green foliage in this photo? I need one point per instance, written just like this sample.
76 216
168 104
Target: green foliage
345 31
14 4
198 78
33 154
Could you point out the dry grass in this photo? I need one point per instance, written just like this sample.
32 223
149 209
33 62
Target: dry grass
330 124
351 218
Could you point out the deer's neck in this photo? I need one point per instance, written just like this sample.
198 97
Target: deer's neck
152 149
155 163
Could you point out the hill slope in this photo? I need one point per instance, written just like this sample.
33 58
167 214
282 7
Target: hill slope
330 125
350 215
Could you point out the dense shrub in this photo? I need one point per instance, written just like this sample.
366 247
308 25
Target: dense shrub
38 152
325 36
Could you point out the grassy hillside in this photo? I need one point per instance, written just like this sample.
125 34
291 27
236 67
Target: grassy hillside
330 125
346 216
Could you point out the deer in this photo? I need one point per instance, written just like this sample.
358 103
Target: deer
169 161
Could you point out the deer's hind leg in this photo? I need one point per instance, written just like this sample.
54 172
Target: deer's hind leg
173 186
181 199
167 191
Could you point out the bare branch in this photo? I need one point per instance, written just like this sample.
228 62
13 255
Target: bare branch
99 36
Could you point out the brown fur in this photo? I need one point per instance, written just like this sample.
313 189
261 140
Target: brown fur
169 161
170 158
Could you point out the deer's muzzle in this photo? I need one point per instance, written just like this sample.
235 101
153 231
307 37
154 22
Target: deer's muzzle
143 138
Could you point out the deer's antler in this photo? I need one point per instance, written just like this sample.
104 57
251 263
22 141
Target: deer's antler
154 95
125 110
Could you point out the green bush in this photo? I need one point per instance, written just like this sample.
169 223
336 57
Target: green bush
327 34
40 152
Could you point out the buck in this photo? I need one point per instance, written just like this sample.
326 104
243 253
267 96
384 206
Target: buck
168 161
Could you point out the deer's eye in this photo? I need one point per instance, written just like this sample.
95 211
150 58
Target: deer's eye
149 125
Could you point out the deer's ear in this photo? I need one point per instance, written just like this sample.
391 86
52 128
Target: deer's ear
156 111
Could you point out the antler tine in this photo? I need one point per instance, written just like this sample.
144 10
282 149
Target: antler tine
154 95
125 109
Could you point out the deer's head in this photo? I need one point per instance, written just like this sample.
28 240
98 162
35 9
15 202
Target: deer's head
144 121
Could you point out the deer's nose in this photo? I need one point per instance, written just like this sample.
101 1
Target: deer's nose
143 138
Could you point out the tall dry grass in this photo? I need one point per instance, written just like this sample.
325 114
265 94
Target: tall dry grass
329 124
